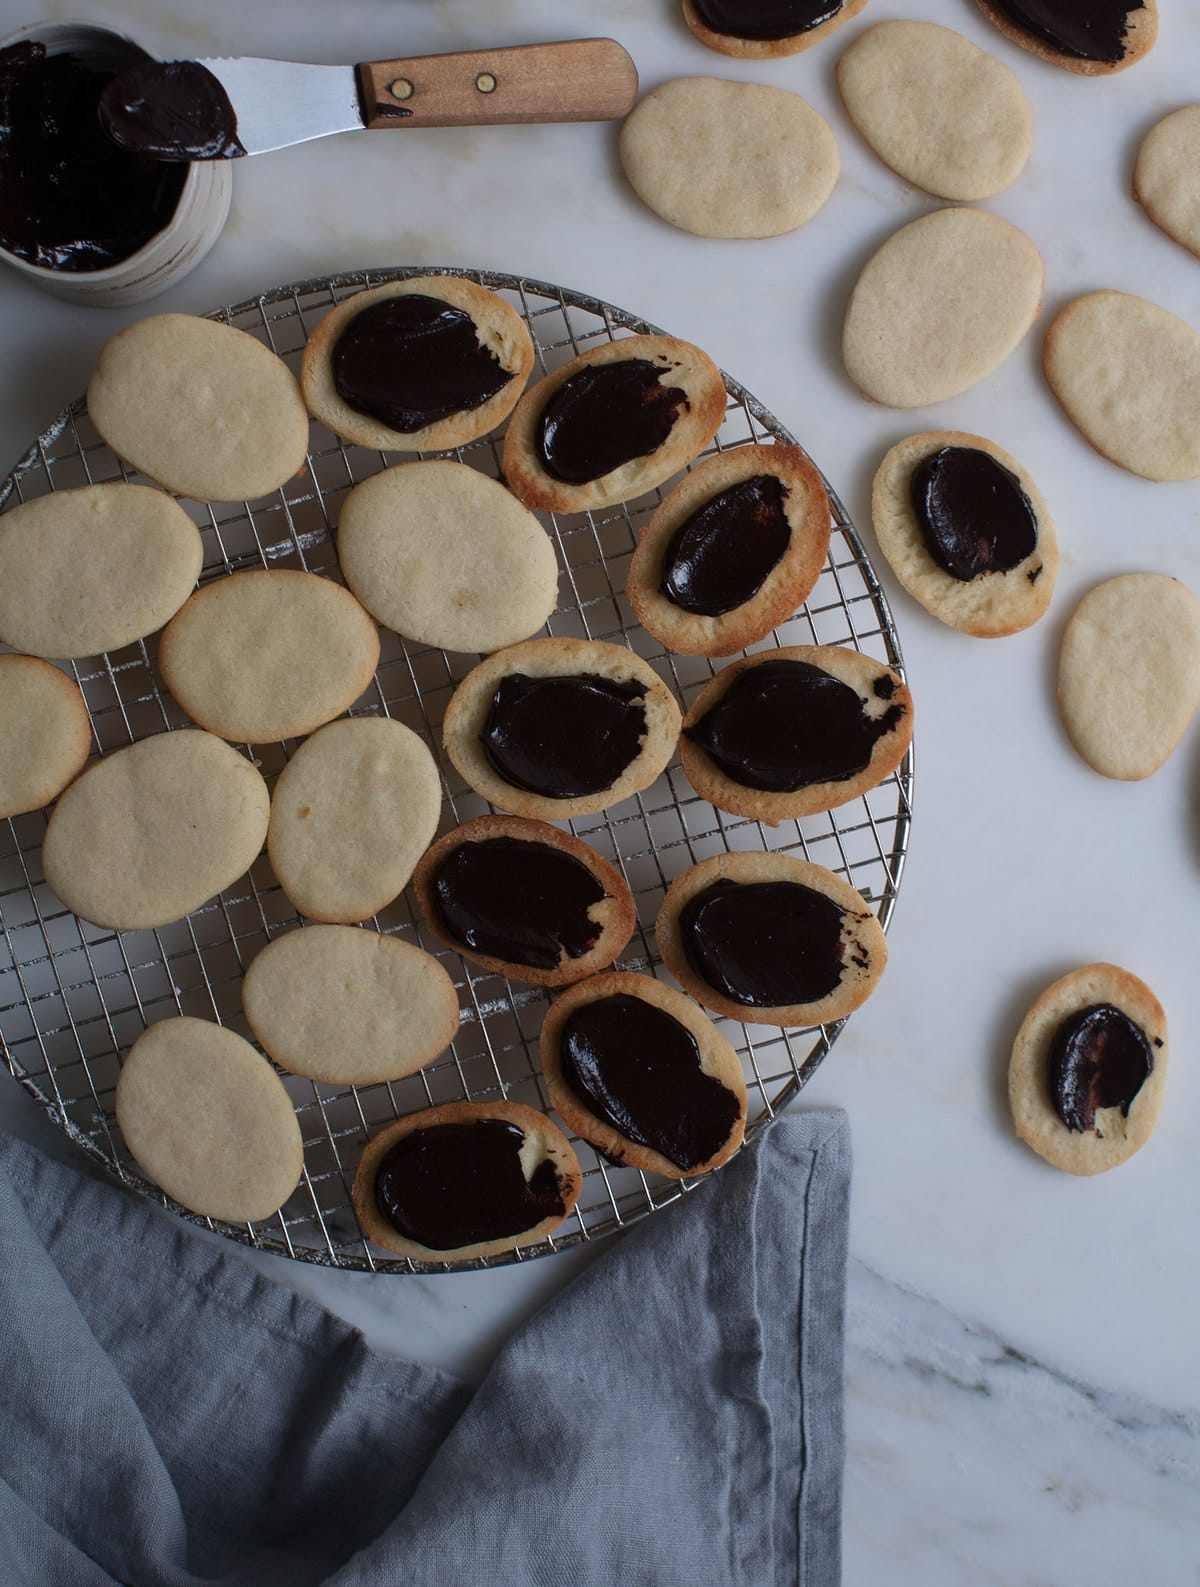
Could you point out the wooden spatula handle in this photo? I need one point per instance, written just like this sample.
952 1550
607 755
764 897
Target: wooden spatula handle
581 80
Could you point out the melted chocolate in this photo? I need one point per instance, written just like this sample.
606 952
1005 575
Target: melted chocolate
523 902
564 737
462 1184
413 360
69 198
173 110
638 1068
764 944
720 557
972 513
785 725
1099 1058
1089 30
764 19
605 416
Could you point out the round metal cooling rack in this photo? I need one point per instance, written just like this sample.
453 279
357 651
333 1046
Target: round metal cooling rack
74 996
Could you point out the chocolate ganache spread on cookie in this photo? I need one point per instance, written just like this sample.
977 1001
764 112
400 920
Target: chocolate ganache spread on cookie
1090 30
639 1069
605 416
564 736
462 1184
69 198
412 360
173 110
764 19
764 944
785 725
972 513
1099 1058
526 903
720 557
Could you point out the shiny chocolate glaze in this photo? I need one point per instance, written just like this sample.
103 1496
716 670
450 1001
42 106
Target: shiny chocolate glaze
764 944
765 19
604 416
972 513
413 360
526 903
462 1184
720 557
172 110
1099 1058
635 1066
1089 30
567 736
786 725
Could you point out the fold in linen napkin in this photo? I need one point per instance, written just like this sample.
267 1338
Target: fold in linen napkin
673 1415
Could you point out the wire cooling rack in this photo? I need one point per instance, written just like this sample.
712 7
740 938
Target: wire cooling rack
73 996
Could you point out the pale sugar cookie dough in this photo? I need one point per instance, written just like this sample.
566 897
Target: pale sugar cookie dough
765 29
45 734
1166 178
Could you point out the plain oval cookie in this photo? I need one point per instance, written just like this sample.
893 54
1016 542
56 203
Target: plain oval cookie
149 833
1129 673
940 306
1166 177
585 724
494 332
200 407
617 432
722 159
446 556
1128 376
45 733
938 110
349 1007
752 516
268 654
765 29
1084 1090
352 813
1093 39
990 604
89 570
209 1121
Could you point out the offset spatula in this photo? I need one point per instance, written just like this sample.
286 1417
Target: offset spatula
175 110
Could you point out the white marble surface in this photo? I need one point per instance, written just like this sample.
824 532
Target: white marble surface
1023 1390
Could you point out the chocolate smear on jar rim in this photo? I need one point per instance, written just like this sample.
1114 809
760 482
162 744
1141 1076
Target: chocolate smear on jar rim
604 416
973 515
721 556
765 19
1099 1058
171 110
566 735
764 944
1089 30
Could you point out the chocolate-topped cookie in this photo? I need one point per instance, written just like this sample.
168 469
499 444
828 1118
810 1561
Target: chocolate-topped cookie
789 732
524 899
418 365
1091 37
635 1068
732 552
762 29
770 939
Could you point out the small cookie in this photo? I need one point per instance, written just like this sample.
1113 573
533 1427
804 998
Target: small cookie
209 1121
1092 37
467 1179
556 728
940 306
634 1068
938 110
612 424
417 366
352 813
89 570
770 939
448 557
1128 376
265 655
1129 673
525 900
349 1007
200 407
45 734
1088 1066
786 733
721 159
966 531
149 833
764 29
1166 178
732 552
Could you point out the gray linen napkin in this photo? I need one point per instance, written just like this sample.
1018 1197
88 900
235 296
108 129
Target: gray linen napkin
673 1416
